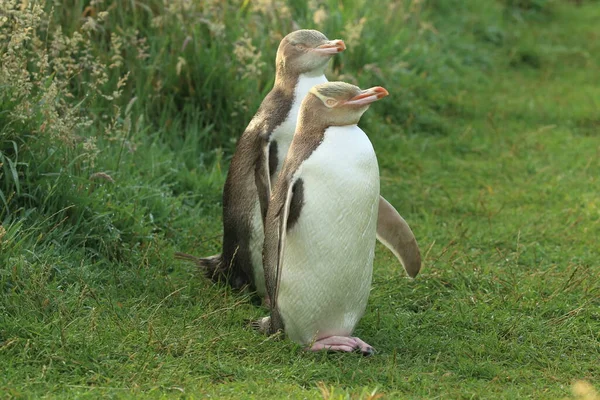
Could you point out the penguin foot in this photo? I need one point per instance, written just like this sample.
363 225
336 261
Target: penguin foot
342 343
262 325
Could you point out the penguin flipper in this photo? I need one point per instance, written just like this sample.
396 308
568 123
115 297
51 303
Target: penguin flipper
275 233
262 180
393 231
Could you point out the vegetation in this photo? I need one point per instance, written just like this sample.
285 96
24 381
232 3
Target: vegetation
117 121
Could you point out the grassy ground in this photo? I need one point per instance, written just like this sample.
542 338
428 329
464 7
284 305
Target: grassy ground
488 145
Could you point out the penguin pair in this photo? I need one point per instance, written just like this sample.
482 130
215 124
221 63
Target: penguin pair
301 203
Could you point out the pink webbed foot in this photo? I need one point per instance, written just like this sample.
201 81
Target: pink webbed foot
342 343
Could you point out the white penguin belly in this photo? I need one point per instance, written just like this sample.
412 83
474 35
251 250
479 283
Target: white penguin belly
328 258
284 133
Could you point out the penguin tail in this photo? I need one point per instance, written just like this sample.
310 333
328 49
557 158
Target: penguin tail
212 266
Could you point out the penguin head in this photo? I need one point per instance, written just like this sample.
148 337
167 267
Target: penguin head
340 103
306 51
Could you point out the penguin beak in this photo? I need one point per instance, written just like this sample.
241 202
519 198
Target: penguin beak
331 47
368 96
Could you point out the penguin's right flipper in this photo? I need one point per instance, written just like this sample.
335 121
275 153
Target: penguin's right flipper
262 180
274 246
393 231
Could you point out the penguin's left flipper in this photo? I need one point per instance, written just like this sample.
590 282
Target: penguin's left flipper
274 245
396 235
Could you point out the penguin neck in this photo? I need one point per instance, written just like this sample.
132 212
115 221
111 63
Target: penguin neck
285 82
312 127
288 81
295 88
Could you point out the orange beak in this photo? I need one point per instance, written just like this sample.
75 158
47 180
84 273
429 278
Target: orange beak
369 96
331 47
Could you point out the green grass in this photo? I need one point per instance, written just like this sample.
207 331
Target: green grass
489 145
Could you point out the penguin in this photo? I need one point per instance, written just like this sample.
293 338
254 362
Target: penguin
321 224
301 60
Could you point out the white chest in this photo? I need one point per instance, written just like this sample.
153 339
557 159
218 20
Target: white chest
346 156
341 190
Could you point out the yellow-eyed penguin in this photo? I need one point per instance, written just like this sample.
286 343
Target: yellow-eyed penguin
322 221
301 60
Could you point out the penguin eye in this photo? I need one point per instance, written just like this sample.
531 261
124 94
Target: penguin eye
330 102
300 46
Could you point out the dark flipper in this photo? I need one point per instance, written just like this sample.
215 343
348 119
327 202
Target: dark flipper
262 179
275 234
